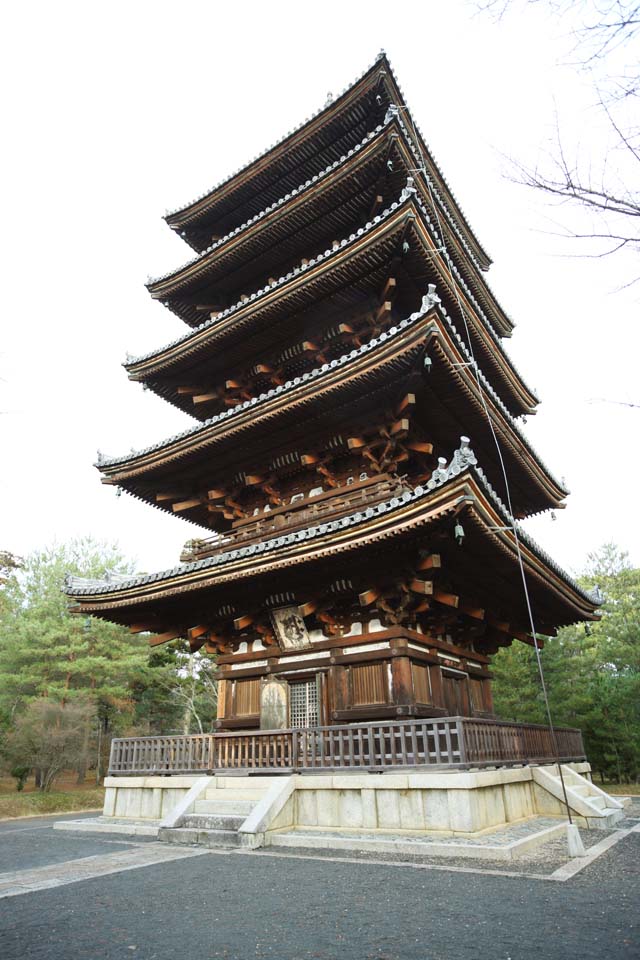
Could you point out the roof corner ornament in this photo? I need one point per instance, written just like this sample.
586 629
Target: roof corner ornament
382 54
329 99
430 299
598 595
440 474
393 110
462 458
408 191
100 457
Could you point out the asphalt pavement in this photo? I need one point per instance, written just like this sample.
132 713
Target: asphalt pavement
257 906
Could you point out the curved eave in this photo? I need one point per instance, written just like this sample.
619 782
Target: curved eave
466 494
232 248
210 334
227 249
447 349
198 210
400 346
437 175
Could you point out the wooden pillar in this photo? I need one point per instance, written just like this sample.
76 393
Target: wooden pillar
487 696
437 691
401 681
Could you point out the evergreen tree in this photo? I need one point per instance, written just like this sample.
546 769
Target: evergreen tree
592 672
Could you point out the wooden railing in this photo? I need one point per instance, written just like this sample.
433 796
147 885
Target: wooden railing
446 742
296 516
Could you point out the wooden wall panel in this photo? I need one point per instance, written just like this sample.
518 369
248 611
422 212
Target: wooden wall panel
369 684
247 697
421 683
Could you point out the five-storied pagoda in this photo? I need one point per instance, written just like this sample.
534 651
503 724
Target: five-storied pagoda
344 365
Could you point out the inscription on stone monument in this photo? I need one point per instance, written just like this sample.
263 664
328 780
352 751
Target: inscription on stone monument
274 704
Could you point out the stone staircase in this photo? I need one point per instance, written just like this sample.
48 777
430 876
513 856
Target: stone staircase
214 819
587 801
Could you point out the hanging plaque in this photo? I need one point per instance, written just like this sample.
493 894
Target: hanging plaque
289 628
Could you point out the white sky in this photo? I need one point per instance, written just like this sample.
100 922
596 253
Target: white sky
114 112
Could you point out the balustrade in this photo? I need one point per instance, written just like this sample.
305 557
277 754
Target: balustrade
446 742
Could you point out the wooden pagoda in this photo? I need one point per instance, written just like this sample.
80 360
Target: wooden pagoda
357 560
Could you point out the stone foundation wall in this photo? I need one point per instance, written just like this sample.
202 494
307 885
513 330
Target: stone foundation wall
447 802
144 798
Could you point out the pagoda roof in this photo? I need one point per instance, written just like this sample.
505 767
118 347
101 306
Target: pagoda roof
278 168
459 490
391 357
300 285
268 227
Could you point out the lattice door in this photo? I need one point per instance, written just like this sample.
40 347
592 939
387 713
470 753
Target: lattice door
303 700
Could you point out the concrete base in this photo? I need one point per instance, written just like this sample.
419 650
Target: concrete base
493 846
124 828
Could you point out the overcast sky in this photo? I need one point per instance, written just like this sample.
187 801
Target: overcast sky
115 112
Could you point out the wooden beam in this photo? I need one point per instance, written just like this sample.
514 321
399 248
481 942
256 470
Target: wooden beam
476 613
241 622
198 631
167 496
140 628
400 426
408 401
164 637
432 562
187 504
204 397
448 599
383 311
187 390
216 494
390 289
356 443
419 447
422 586
375 206
368 597
306 609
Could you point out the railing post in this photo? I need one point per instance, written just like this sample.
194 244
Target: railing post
462 746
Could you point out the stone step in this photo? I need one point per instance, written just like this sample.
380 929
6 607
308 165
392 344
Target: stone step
255 795
246 783
210 821
190 836
599 802
583 789
230 807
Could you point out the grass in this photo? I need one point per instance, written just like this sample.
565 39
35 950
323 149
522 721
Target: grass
624 789
65 797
